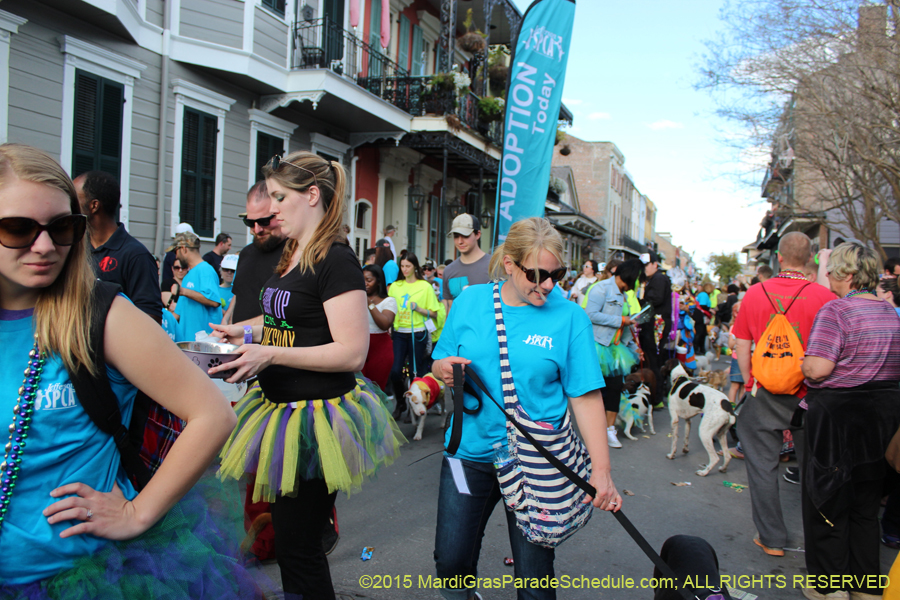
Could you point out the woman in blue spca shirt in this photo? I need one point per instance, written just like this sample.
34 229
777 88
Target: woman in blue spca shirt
553 362
65 498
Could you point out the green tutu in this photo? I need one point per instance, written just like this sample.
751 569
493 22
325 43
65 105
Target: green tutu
616 359
341 440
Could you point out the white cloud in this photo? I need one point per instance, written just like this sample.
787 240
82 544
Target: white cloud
665 124
598 115
572 101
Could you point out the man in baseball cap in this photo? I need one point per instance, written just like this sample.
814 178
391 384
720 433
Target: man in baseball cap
198 296
472 265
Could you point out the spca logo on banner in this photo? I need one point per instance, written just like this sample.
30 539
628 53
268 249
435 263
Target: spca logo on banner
545 42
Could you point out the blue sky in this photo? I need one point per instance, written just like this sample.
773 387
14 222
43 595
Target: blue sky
630 71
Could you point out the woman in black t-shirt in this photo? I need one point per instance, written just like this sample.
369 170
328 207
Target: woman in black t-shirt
309 427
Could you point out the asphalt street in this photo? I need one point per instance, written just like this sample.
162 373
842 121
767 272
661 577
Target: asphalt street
396 514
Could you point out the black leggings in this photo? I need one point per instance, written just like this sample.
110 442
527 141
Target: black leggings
299 524
612 393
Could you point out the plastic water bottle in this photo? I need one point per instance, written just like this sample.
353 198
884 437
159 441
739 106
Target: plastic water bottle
501 455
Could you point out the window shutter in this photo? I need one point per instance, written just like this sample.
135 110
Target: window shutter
418 52
97 135
198 171
267 146
403 44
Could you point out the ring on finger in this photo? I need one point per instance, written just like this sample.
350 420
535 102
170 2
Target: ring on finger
90 514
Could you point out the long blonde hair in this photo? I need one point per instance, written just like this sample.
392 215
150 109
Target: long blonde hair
526 238
69 296
308 169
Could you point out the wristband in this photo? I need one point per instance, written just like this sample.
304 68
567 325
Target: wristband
248 334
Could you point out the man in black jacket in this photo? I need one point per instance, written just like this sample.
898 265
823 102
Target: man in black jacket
658 294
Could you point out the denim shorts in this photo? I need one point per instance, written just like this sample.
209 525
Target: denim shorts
735 374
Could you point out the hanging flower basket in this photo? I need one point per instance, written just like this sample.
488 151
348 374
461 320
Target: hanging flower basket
490 109
498 74
471 42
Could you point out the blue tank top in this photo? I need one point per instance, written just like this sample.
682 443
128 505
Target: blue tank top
64 446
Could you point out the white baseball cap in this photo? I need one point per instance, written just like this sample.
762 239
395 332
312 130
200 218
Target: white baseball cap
183 227
229 261
464 224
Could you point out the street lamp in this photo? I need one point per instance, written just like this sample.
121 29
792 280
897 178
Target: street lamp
455 208
417 196
486 219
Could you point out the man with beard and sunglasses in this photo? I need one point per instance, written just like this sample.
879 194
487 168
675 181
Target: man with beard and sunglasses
258 260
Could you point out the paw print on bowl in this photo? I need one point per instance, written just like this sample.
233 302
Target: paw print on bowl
215 362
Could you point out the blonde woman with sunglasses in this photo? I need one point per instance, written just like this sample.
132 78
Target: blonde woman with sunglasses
554 364
312 426
67 509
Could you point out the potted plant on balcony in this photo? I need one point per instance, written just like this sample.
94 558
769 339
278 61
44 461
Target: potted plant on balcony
472 41
498 71
490 109
442 91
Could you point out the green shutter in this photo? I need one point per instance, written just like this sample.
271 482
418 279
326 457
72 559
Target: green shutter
403 44
267 146
198 171
418 52
97 135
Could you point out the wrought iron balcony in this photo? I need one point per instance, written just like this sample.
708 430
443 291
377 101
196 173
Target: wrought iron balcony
632 244
325 44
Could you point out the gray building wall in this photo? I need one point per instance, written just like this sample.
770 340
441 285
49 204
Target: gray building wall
270 37
36 104
155 12
213 21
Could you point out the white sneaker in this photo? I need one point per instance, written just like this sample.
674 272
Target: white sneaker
611 438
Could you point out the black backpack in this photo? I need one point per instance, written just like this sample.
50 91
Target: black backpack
136 443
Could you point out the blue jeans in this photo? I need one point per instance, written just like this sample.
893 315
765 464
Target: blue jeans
461 520
406 349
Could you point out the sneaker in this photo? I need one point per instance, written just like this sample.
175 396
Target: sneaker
891 541
814 594
611 438
792 475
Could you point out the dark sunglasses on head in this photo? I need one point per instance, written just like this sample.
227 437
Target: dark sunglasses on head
21 232
264 222
554 275
276 162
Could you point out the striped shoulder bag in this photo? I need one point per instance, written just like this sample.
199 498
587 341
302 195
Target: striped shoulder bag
547 505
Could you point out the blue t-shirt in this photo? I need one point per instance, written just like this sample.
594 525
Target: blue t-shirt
551 350
64 446
703 299
194 316
169 324
225 293
391 271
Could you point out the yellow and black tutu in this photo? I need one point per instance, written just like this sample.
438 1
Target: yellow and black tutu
341 440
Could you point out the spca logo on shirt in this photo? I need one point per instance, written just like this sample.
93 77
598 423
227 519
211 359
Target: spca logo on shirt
56 396
542 341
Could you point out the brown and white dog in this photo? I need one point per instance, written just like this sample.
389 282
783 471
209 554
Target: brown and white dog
634 407
644 376
687 399
717 379
424 393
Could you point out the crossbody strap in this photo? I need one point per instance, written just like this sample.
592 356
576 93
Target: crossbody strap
794 299
459 377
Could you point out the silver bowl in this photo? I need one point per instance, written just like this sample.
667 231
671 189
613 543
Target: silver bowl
207 355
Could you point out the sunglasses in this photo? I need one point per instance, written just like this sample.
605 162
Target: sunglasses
555 275
276 162
17 233
177 268
263 222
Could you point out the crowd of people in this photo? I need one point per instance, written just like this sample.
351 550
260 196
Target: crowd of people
323 399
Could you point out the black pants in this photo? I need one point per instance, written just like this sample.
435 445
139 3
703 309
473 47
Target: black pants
299 523
647 340
701 333
851 545
612 392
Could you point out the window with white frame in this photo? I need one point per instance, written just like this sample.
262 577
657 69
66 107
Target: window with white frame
9 24
362 224
198 156
98 96
268 136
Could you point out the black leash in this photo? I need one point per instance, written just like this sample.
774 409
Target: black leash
459 380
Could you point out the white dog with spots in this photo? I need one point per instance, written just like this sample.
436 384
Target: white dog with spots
634 407
687 399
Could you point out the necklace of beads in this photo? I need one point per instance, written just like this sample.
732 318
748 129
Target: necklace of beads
852 293
791 275
18 429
